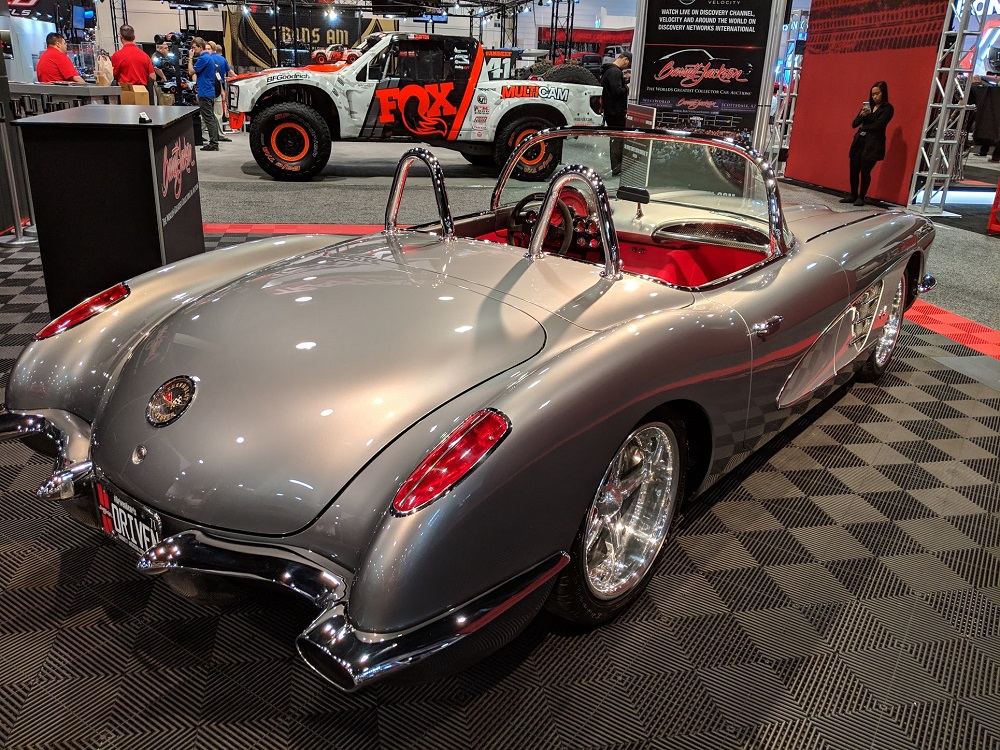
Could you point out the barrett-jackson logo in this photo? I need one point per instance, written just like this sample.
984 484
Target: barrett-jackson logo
693 104
694 66
177 161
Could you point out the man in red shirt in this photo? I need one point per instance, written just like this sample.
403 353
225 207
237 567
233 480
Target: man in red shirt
54 64
131 64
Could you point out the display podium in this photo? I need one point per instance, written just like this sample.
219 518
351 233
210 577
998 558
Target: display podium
113 196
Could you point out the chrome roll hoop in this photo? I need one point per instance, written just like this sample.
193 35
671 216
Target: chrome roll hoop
609 235
437 183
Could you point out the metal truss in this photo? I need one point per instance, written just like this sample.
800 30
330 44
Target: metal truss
780 132
562 20
119 16
939 157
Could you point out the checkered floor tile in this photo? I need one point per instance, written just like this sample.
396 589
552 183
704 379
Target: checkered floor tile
841 591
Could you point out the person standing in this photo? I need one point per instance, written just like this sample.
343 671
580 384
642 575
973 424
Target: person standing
615 103
130 64
225 72
165 65
202 65
868 146
54 65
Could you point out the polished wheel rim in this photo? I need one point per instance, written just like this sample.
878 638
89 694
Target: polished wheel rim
890 331
631 512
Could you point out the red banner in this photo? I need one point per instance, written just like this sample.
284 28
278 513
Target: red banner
852 44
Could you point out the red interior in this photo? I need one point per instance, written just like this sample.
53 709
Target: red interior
678 263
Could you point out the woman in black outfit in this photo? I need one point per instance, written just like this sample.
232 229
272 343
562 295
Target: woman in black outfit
868 146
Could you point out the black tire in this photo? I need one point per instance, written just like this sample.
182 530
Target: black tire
480 160
535 69
571 74
538 164
878 361
578 594
290 141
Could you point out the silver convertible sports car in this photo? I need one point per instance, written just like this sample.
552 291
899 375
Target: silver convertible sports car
430 433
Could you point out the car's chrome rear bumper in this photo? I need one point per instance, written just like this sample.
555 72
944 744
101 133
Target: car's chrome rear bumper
73 473
332 645
14 426
350 658
197 552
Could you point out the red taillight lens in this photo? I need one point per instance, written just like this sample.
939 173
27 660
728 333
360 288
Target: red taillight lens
452 459
597 105
84 311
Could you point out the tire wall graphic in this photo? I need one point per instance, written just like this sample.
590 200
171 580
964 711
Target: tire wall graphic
852 44
703 64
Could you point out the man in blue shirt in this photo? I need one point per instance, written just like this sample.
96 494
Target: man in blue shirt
202 65
225 73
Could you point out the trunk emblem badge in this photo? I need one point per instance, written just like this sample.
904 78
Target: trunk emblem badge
170 400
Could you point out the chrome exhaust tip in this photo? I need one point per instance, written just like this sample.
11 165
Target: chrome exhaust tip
316 646
71 481
926 284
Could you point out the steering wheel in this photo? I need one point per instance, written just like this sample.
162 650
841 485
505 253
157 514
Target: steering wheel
522 224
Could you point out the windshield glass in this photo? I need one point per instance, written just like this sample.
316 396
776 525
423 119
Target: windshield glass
675 170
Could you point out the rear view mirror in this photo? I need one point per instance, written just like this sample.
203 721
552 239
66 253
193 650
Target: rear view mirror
638 195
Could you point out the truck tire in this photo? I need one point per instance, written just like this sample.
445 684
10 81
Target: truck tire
480 160
539 163
571 74
290 141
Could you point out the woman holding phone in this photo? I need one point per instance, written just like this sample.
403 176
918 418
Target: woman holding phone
868 146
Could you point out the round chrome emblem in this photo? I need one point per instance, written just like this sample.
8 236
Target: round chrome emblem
138 454
170 400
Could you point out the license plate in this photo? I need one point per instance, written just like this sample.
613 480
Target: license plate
128 521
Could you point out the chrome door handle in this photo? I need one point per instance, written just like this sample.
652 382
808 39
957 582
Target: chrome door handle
769 326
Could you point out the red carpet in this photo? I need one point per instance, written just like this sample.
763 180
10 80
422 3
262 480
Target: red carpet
973 335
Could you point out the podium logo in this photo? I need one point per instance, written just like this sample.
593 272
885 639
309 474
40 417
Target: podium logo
177 161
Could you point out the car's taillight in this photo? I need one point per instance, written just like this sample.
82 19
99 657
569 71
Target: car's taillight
84 311
596 104
452 459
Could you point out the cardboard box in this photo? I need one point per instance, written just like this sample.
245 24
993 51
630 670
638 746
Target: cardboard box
133 94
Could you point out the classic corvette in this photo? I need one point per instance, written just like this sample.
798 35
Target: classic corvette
432 432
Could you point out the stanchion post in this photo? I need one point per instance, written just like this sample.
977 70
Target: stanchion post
18 238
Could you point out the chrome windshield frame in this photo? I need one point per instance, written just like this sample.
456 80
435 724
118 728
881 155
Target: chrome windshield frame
437 184
775 217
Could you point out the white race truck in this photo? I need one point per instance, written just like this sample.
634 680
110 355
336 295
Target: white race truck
442 90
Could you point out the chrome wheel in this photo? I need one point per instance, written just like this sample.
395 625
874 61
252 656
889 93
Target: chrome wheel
630 515
890 331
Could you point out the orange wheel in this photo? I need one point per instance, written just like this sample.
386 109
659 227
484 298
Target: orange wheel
288 136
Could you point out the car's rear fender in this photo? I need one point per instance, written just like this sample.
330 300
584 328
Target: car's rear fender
866 248
526 501
98 347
